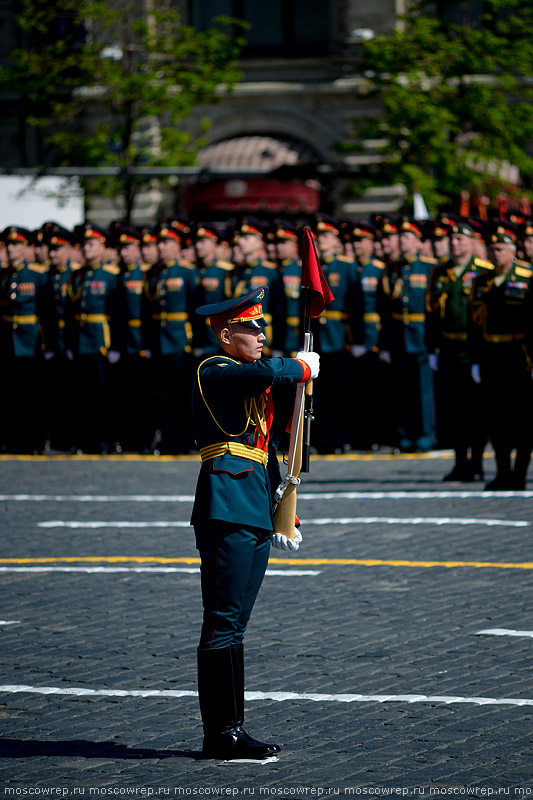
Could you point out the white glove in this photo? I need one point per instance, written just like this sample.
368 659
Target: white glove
48 355
358 350
434 362
70 355
113 356
476 373
281 542
384 355
312 360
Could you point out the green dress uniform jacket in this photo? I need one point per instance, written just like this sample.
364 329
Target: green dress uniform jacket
448 307
333 328
133 304
290 335
93 326
403 306
57 298
368 322
171 289
23 320
232 415
211 288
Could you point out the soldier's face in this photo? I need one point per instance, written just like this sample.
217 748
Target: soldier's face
363 248
528 248
150 253
441 246
287 248
169 249
461 245
93 250
206 249
409 243
130 254
242 342
59 256
251 246
501 255
391 245
16 252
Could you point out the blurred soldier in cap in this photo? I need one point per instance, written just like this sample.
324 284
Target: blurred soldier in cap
526 241
402 302
480 246
40 245
440 238
171 291
58 370
256 271
213 278
389 237
501 346
149 248
333 332
289 339
133 380
233 510
93 338
23 320
368 368
461 413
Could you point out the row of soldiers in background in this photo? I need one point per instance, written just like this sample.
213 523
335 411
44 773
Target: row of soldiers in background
425 343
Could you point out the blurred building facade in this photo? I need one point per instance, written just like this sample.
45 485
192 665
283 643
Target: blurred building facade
300 92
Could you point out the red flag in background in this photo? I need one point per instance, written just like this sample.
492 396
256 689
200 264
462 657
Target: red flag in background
313 277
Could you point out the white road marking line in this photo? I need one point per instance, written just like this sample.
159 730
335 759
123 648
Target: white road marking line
79 691
190 570
10 621
189 498
93 524
504 632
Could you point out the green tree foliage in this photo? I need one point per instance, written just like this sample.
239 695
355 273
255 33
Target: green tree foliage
111 83
456 102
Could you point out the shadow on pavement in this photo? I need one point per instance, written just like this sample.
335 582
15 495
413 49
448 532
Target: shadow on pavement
81 748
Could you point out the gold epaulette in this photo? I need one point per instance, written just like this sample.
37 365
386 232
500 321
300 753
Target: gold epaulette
38 268
347 259
75 265
227 265
429 260
145 267
524 272
113 269
184 263
269 264
522 263
482 262
379 264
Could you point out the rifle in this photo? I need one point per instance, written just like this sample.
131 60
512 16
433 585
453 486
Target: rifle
315 294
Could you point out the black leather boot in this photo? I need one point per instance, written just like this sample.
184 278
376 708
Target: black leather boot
221 695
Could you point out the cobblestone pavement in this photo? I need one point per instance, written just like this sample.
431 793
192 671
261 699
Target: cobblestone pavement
373 626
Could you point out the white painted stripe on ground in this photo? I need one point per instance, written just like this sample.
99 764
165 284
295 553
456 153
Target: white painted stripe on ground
94 524
190 570
10 621
504 632
188 498
79 691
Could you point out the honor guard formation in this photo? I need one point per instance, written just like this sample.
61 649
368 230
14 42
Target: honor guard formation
427 343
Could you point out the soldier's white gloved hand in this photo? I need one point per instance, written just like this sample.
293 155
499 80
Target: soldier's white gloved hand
312 360
48 355
70 355
358 350
384 355
434 362
281 542
476 373
113 356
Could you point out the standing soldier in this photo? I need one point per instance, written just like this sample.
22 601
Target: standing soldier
93 338
526 241
501 347
461 413
133 374
40 244
255 271
289 338
368 368
440 239
402 302
149 248
332 339
389 238
23 319
171 290
213 273
58 367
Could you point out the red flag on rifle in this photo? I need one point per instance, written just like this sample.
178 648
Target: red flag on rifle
313 277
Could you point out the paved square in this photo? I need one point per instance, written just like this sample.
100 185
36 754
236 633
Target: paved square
391 655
